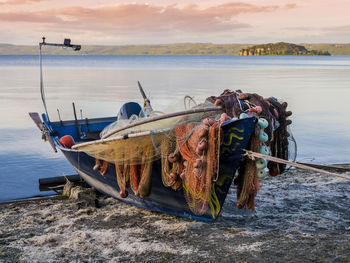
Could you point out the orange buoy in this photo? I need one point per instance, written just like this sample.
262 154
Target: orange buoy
67 141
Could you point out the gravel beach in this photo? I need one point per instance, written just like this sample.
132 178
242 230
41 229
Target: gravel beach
300 217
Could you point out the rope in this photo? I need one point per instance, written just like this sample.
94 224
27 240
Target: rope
252 155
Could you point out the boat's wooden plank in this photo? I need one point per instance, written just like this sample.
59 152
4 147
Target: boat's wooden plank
47 184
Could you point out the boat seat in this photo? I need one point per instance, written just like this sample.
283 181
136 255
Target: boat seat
128 109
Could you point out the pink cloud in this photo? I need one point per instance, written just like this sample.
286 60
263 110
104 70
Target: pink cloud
19 2
141 17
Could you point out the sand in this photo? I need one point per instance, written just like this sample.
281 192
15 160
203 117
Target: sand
299 217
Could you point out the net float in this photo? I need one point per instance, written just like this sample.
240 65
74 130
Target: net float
124 194
263 137
218 102
67 141
173 157
203 131
258 109
202 145
224 117
243 115
261 163
261 173
208 122
263 123
264 150
198 163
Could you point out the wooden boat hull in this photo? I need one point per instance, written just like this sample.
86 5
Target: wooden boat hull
164 199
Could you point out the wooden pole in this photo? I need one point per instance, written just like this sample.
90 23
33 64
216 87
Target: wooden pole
253 155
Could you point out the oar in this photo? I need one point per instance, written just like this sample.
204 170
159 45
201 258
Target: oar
147 103
37 120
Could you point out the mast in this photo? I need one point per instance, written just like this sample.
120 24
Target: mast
66 43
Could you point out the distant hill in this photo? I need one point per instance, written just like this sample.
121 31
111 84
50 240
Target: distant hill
168 49
334 49
280 49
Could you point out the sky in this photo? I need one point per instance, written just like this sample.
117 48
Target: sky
121 22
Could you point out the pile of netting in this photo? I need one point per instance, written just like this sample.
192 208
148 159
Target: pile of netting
188 147
270 137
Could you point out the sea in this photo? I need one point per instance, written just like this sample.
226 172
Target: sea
317 89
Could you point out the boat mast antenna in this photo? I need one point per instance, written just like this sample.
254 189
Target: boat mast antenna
66 44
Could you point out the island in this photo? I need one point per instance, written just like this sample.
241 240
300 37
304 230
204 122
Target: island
280 49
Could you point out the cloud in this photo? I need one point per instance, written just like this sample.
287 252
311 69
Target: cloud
142 17
19 2
291 6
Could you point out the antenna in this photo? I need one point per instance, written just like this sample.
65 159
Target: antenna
66 43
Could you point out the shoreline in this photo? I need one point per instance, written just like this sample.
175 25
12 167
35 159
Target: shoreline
300 217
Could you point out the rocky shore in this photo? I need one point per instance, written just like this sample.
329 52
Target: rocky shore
299 217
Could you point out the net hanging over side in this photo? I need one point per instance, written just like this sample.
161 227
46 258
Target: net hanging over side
188 147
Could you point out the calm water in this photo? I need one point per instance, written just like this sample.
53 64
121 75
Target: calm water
316 88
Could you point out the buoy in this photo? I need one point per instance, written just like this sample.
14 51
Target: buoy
258 109
264 150
260 163
218 102
123 194
261 173
173 157
243 115
197 163
208 122
263 137
263 123
67 141
224 117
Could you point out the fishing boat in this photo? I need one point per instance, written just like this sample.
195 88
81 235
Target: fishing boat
180 163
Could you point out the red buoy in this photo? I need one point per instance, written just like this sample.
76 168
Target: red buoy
67 141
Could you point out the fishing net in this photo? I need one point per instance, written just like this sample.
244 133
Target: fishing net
274 138
188 147
128 144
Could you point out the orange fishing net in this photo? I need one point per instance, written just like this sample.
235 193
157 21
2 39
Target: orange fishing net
136 176
198 146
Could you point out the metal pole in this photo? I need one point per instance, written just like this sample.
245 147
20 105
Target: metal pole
42 92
